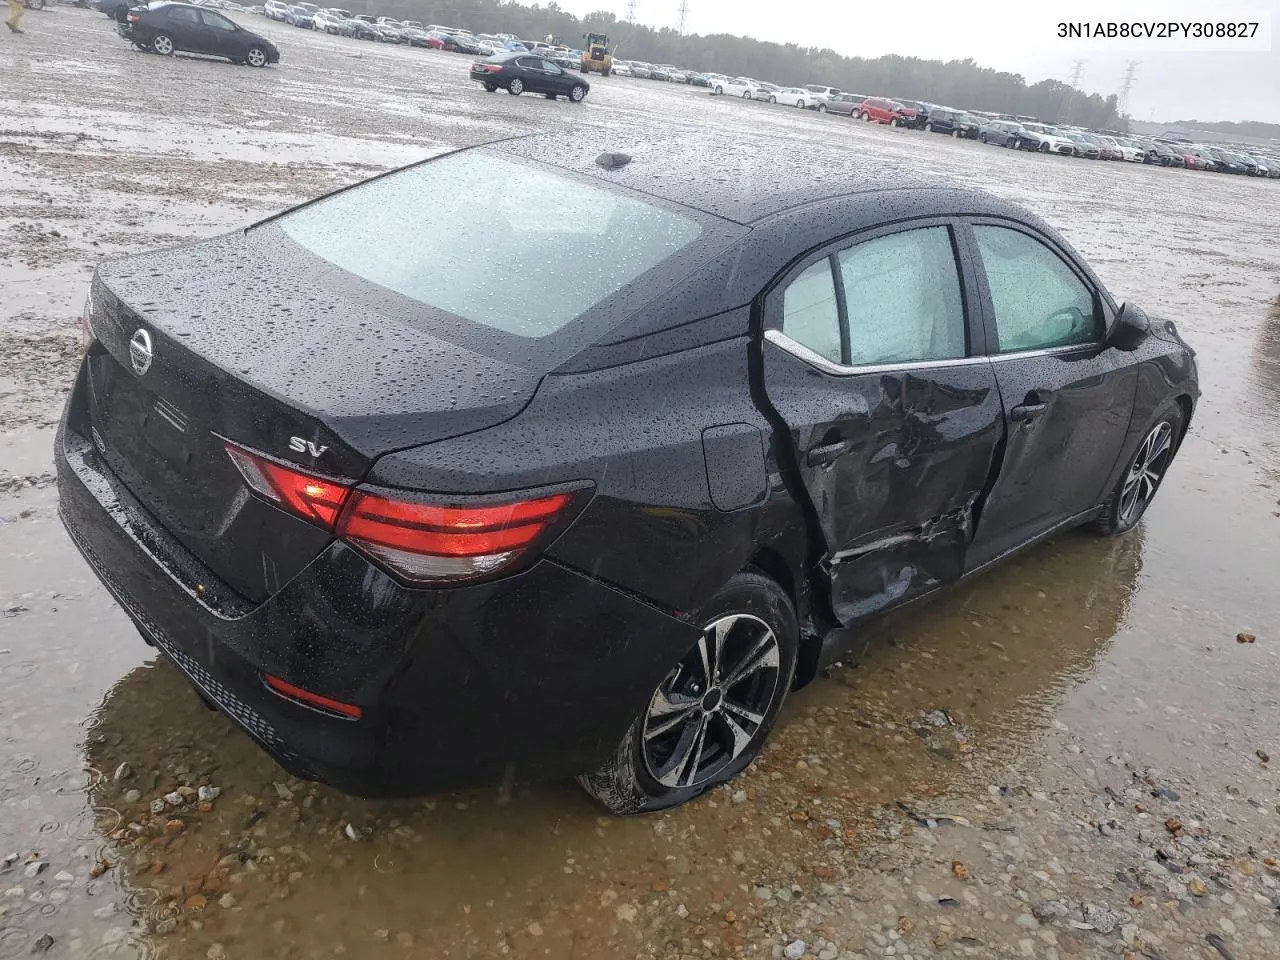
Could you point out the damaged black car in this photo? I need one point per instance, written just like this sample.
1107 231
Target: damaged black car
546 459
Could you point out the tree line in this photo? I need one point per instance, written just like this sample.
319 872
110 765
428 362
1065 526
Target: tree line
956 83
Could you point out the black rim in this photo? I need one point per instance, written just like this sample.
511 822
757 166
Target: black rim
1146 471
710 708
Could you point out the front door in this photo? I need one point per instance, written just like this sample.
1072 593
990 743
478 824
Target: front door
893 421
1067 396
187 30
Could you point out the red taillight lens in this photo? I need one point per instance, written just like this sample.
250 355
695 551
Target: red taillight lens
134 18
487 67
313 498
306 697
425 542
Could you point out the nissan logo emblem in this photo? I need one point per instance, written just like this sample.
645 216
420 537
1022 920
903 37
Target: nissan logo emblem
140 352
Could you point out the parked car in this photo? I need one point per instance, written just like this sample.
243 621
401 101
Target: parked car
1256 166
915 113
1227 161
416 36
520 72
168 28
823 92
622 68
465 43
275 9
882 110
301 15
1162 154
640 69
389 34
699 79
683 536
1082 146
737 87
846 104
114 9
1129 150
1002 133
331 20
957 123
794 97
1047 139
359 29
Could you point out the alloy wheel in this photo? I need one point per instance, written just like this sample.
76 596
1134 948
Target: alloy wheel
516 87
256 57
162 45
707 711
1146 472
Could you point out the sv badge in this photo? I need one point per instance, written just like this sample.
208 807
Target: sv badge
298 445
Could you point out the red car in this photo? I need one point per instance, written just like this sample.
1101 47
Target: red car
1192 162
881 110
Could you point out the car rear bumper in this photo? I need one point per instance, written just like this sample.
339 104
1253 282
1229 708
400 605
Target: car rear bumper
529 677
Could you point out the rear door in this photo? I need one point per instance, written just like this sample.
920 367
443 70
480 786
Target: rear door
1067 396
892 419
187 30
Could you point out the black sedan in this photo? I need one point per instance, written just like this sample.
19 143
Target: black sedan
520 72
956 123
166 28
359 29
621 455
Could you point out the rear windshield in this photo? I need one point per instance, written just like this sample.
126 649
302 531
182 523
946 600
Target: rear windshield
516 247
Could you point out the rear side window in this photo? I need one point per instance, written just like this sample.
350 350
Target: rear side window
1039 301
902 293
809 312
517 247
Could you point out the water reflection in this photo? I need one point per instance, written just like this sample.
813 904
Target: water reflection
269 867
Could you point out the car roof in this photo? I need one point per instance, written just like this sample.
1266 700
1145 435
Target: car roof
722 175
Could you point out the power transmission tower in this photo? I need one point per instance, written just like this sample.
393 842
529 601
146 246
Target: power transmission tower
1077 72
1068 108
682 14
631 11
1126 84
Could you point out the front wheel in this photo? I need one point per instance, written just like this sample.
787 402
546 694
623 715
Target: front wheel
719 91
162 44
895 122
1017 144
864 116
982 138
515 87
708 717
822 108
956 134
1141 479
577 93
928 128
255 56
1044 148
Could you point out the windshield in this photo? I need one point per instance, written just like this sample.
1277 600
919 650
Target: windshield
515 247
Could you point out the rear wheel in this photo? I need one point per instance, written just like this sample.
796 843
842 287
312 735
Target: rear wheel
1044 148
956 134
255 56
490 87
864 116
719 91
895 122
1016 144
515 87
822 108
709 716
577 93
1141 479
929 127
162 44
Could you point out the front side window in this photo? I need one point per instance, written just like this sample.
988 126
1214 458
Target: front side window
216 20
517 247
1039 301
810 315
902 296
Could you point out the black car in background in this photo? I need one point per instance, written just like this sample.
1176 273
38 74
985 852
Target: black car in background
916 121
115 9
957 123
621 455
520 72
166 28
360 29
1162 154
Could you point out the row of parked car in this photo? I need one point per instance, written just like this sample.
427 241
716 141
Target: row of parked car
1019 133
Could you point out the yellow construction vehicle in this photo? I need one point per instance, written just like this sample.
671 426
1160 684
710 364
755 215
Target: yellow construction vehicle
597 56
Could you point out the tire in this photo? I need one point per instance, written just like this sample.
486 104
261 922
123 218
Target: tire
956 134
746 94
490 87
1142 475
549 96
757 625
162 44
864 116
1044 148
928 128
895 122
1016 143
515 87
822 108
577 93
719 91
255 56
982 137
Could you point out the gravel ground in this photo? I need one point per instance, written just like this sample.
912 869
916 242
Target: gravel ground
1069 757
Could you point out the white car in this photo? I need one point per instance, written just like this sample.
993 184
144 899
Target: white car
622 68
275 9
1051 138
1131 152
799 97
737 87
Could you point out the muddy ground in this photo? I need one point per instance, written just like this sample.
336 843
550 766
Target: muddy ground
1066 758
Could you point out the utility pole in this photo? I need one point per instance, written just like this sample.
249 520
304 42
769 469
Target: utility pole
631 11
1126 84
682 14
1077 73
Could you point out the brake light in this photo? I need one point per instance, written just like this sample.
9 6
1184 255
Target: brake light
134 18
487 67
307 698
316 499
426 542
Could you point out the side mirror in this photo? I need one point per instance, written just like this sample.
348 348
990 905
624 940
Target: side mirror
1130 328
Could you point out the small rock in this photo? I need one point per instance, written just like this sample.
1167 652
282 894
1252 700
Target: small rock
157 805
1165 793
209 794
739 798
763 893
217 952
174 799
65 876
283 792
1197 887
682 911
1245 637
960 870
795 950
132 796
1103 918
405 939
1028 920
1173 824
35 868
353 832
535 929
828 953
1264 756
196 903
626 912
382 934
226 901
123 772
43 944
1215 941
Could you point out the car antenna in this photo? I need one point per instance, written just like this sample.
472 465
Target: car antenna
613 161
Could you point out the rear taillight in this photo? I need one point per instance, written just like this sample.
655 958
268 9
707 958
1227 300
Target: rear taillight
427 542
487 67
419 539
133 17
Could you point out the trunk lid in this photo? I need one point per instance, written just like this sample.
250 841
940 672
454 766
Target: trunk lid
237 340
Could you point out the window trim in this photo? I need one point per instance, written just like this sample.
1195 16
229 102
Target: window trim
973 314
1103 304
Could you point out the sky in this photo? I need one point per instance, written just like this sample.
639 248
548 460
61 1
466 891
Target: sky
1174 80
